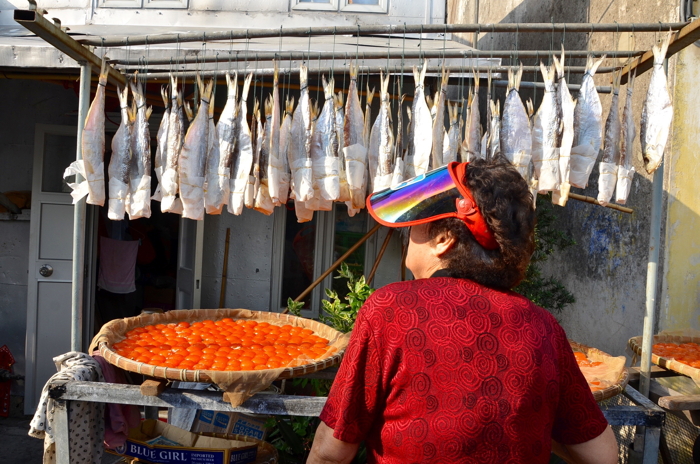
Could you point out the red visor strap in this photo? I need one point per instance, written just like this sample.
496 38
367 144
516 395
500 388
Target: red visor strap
467 209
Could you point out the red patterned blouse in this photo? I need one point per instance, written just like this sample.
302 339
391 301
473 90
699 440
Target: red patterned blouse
446 370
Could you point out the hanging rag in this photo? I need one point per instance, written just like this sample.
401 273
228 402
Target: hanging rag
119 418
117 265
86 426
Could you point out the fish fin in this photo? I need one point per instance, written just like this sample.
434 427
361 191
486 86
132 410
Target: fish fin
276 72
594 67
445 78
328 88
289 105
268 105
488 80
188 111
370 95
518 76
211 108
476 80
423 70
353 70
123 95
164 95
416 76
429 101
208 91
179 98
558 66
630 82
661 49
385 85
149 111
303 76
530 108
104 71
173 87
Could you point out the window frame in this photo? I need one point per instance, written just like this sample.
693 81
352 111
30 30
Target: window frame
323 257
331 5
382 7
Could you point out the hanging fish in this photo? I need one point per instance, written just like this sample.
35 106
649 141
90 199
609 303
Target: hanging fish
354 149
397 175
300 144
657 112
160 158
382 141
546 134
439 121
219 174
170 202
367 127
516 136
418 159
487 130
611 151
317 153
193 157
92 143
140 168
568 107
625 170
242 158
285 131
118 169
339 114
588 127
263 202
493 144
451 147
324 150
253 184
472 139
212 192
275 166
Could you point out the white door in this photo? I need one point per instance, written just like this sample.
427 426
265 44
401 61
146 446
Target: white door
50 258
189 264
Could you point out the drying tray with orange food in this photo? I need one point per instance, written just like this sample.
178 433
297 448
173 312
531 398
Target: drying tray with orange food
241 351
678 353
606 375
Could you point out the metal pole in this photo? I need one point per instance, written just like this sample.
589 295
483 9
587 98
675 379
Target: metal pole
652 275
78 274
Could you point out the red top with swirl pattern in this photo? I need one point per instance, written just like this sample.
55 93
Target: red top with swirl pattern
446 370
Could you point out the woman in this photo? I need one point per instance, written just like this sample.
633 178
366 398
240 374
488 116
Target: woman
454 367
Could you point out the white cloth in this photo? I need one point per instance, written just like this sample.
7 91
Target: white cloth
86 427
117 265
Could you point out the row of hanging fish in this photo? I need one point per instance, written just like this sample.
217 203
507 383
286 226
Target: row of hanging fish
336 153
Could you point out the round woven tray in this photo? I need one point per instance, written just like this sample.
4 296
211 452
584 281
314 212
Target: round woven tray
612 390
188 375
671 364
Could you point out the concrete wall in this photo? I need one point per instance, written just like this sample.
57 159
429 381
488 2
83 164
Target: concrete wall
25 104
606 269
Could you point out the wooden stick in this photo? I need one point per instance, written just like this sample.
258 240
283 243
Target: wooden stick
224 271
379 256
593 201
333 267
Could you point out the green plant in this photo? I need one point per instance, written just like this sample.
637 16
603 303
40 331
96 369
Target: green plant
547 292
338 314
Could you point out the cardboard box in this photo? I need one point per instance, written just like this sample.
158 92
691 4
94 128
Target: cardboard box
194 449
229 423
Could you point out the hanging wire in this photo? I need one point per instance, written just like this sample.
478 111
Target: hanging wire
403 58
333 57
319 82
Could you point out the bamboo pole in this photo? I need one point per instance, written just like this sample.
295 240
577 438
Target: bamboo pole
224 271
380 255
593 201
337 263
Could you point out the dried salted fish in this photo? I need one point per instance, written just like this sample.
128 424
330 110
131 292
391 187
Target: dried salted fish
219 174
211 168
657 112
568 107
439 122
367 126
285 135
493 143
159 161
324 150
611 150
263 201
382 141
170 202
418 159
318 155
193 157
451 147
546 134
92 143
300 144
118 169
253 184
339 114
472 140
242 158
588 127
354 149
277 156
140 169
516 137
397 175
625 170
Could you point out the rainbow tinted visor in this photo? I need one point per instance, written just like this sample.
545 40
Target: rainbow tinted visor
437 194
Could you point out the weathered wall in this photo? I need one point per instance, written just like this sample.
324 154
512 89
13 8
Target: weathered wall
606 269
680 299
25 103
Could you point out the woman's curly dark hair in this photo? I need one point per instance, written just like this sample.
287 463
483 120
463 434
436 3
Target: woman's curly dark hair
506 203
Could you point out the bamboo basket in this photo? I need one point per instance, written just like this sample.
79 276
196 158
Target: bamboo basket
612 390
188 375
635 344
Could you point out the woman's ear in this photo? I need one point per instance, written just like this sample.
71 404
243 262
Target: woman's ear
443 242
